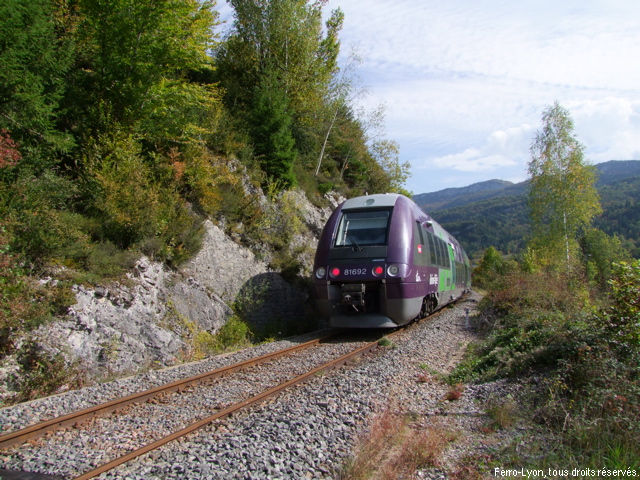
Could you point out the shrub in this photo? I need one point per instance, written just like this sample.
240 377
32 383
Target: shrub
233 334
42 373
134 207
37 214
491 268
215 187
589 392
623 318
126 199
25 302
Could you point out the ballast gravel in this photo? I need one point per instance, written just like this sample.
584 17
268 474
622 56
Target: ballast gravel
309 431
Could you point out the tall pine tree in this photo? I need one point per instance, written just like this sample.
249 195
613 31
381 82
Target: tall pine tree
34 61
273 142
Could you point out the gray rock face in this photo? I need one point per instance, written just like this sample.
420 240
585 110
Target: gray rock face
222 266
150 318
117 329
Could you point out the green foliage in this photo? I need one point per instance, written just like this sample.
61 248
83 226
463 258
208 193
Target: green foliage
37 216
385 342
562 197
279 72
283 36
623 319
491 268
178 111
539 320
600 251
233 334
271 132
136 57
42 373
387 155
621 204
216 188
25 303
34 62
125 196
134 208
588 393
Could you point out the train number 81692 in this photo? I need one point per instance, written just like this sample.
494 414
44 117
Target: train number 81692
355 271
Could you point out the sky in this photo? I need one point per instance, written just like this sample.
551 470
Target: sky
464 82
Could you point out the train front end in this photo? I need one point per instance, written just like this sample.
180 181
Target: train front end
362 261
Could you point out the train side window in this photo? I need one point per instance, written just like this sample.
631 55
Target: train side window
447 257
432 249
420 255
440 255
426 247
419 236
445 253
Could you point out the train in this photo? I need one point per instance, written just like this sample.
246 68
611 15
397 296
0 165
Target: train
381 262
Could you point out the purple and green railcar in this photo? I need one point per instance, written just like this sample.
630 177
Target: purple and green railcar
382 262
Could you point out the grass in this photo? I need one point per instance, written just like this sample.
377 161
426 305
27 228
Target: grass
501 413
385 342
394 447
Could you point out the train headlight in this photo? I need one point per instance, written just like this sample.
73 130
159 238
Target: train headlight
320 273
393 270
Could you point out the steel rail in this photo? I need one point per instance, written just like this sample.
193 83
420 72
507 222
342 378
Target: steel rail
228 411
39 429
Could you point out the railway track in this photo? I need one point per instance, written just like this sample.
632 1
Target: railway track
74 418
199 386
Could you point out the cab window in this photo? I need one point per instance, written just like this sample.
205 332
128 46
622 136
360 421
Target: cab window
367 227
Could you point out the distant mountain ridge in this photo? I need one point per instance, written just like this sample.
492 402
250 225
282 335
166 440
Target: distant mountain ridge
495 212
476 191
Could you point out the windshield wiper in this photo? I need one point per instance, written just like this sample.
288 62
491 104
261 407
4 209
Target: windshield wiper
357 247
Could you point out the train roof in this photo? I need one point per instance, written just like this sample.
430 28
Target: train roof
386 200
376 200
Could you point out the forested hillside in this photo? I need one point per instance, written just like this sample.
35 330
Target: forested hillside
495 213
125 123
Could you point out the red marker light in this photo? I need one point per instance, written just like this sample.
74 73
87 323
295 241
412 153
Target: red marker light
335 271
378 270
419 248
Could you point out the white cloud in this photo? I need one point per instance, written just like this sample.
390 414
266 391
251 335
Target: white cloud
561 43
608 127
502 148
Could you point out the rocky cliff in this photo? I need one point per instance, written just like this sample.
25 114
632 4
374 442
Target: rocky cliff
150 317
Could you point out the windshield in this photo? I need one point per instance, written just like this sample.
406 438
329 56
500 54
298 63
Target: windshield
367 227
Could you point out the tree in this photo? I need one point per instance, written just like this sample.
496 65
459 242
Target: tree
34 61
387 155
137 65
285 38
337 101
282 43
562 196
600 251
274 144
